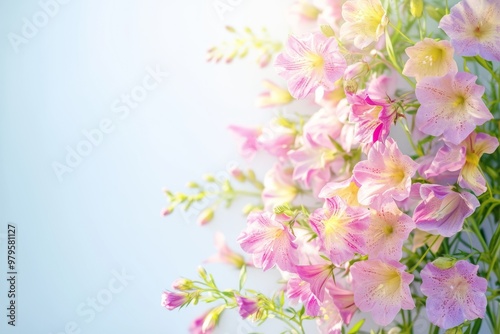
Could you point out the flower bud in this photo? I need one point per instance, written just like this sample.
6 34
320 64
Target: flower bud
238 174
206 216
416 8
212 318
182 284
209 178
444 262
167 211
435 12
202 272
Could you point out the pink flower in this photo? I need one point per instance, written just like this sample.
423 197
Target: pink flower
278 138
381 288
309 63
344 300
318 276
171 300
385 175
247 306
373 119
269 241
196 326
474 28
365 21
454 294
225 254
299 290
347 190
442 210
429 58
471 176
389 228
330 319
273 96
340 228
249 135
450 106
279 187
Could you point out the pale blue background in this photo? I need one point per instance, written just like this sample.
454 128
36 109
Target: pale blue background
105 215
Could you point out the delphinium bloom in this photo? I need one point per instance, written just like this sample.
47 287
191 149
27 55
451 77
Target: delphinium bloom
443 210
385 174
454 294
269 241
381 288
365 21
309 63
279 187
340 228
451 106
474 28
273 96
471 176
429 58
386 233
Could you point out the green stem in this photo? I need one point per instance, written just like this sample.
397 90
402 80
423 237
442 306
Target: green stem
401 33
424 255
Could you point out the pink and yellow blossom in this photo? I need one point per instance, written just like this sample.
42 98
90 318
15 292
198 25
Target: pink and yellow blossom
340 229
381 288
309 63
429 58
451 106
385 175
269 241
365 22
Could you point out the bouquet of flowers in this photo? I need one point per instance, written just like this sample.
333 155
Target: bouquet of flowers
384 199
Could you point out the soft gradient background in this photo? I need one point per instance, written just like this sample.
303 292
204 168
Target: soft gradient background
105 215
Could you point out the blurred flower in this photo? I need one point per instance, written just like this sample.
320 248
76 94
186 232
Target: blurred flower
273 96
196 326
429 58
365 21
454 294
299 290
247 306
249 135
171 300
225 254
474 28
309 63
381 288
279 187
451 106
317 276
206 216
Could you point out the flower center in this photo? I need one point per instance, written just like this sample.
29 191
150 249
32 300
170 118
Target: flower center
316 61
459 101
472 158
388 230
434 57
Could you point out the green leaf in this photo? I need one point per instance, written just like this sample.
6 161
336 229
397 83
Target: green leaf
356 327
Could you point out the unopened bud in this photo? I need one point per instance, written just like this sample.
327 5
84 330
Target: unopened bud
167 211
192 185
444 262
416 8
206 216
209 178
182 284
435 12
238 174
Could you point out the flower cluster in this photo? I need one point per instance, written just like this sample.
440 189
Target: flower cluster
359 219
